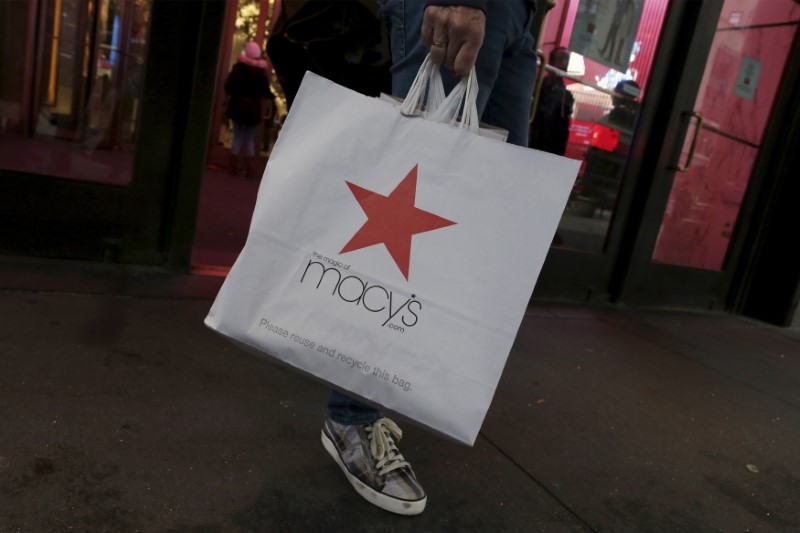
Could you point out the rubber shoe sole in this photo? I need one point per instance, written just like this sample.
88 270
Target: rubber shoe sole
388 503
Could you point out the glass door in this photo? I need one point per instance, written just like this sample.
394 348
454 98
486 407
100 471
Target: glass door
71 110
103 126
611 49
685 253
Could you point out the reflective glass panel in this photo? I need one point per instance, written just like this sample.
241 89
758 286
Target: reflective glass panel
606 83
76 104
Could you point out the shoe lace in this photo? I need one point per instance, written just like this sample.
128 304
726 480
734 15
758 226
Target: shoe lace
382 436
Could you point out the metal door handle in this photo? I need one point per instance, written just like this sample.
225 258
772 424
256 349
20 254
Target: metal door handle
693 146
538 87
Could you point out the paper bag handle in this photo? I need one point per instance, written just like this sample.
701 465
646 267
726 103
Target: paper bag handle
465 91
428 90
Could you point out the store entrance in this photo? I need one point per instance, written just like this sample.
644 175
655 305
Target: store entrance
96 99
340 40
658 214
227 197
653 216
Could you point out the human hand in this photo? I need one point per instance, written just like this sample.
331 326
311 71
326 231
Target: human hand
453 34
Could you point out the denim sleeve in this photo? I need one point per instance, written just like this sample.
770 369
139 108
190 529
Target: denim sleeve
478 4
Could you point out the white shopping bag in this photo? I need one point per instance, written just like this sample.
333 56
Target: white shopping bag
393 256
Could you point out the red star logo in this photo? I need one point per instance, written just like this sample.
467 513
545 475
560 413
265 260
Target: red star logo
393 220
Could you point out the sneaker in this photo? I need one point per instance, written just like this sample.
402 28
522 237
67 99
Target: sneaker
370 460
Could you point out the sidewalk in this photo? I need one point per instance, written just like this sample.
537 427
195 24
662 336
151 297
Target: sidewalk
123 414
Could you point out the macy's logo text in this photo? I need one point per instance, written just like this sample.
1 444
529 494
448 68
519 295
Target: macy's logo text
373 298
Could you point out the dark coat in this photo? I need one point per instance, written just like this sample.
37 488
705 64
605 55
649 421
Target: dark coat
247 86
550 129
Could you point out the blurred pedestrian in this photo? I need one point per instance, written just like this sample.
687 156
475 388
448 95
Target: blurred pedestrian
623 113
550 128
248 89
624 12
604 163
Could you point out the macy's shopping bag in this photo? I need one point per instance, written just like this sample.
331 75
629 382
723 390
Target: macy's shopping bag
393 256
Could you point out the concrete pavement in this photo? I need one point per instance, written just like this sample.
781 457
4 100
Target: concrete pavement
122 414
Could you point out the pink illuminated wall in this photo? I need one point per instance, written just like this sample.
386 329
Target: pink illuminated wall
647 36
741 78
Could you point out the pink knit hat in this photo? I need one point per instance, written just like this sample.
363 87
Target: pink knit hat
252 50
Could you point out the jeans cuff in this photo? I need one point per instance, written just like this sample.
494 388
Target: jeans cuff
356 420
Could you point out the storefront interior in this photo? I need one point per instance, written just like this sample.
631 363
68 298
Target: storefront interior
659 198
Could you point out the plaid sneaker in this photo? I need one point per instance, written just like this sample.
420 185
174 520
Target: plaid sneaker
369 457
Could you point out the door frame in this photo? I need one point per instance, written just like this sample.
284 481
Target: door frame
766 284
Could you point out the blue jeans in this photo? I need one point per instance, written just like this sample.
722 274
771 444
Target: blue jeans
243 137
506 64
343 409
506 69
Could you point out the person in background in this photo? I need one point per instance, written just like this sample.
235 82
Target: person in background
247 86
493 36
604 163
625 108
624 13
550 128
